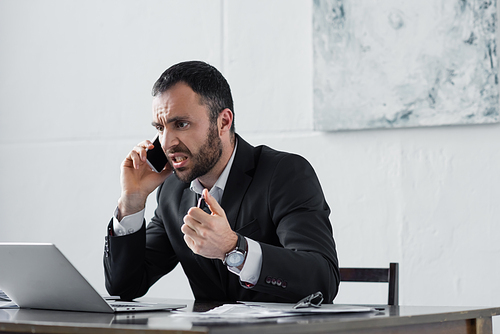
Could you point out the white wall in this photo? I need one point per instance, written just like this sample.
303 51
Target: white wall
75 80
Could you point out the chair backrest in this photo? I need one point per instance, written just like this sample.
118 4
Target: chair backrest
389 275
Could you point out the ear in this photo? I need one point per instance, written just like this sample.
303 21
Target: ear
225 121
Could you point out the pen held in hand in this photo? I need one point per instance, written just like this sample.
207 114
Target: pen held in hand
201 201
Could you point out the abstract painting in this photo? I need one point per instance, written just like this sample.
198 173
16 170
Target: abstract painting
393 63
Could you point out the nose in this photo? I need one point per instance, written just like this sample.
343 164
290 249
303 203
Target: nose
168 140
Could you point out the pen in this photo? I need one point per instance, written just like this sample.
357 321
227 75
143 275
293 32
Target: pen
200 201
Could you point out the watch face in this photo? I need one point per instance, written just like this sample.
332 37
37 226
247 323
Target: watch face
234 259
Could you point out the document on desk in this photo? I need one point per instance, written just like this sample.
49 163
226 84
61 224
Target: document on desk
256 310
234 312
324 308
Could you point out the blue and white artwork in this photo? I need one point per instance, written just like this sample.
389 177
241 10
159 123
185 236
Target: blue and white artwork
393 63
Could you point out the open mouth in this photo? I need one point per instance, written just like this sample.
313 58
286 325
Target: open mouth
178 160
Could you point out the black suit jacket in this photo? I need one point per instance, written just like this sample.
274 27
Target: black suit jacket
271 197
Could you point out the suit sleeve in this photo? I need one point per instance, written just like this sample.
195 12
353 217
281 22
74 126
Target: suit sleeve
307 261
134 262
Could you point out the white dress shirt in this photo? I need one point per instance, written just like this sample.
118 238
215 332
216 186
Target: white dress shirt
251 269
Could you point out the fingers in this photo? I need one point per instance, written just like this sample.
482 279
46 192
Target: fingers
196 228
189 241
212 203
188 232
138 155
195 217
193 222
208 235
192 238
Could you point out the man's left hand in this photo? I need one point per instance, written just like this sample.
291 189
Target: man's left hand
209 235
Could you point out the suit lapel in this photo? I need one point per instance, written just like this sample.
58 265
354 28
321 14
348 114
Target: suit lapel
188 200
239 180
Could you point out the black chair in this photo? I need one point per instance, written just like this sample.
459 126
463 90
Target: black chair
389 275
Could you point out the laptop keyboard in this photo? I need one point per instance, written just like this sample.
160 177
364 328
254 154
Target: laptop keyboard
126 305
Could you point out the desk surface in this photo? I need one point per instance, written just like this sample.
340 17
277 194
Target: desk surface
407 319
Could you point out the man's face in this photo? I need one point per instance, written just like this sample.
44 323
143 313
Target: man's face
189 139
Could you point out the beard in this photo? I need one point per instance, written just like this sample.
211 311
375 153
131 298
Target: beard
207 157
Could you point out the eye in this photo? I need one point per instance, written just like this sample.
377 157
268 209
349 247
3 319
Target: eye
182 124
159 128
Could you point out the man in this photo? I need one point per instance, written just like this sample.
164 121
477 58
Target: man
264 234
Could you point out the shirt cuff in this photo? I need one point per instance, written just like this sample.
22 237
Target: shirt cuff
251 269
129 224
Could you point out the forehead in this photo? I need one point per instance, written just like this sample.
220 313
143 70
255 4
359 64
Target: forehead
179 101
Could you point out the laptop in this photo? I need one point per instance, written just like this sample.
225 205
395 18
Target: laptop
39 276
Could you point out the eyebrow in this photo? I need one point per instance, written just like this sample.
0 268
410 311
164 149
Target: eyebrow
170 120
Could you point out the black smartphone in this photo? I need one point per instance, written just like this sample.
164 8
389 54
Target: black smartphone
156 157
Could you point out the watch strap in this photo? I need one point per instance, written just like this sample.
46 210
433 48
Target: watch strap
241 247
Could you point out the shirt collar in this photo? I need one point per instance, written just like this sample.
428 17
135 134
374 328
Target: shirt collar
218 189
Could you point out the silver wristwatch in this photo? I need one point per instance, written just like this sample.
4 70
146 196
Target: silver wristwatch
236 257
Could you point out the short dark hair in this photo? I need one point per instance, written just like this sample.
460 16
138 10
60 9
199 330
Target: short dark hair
205 80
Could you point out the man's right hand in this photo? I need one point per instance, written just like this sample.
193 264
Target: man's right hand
138 180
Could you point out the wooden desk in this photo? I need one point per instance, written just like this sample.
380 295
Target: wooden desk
392 319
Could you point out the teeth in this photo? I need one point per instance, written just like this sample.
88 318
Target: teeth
179 159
